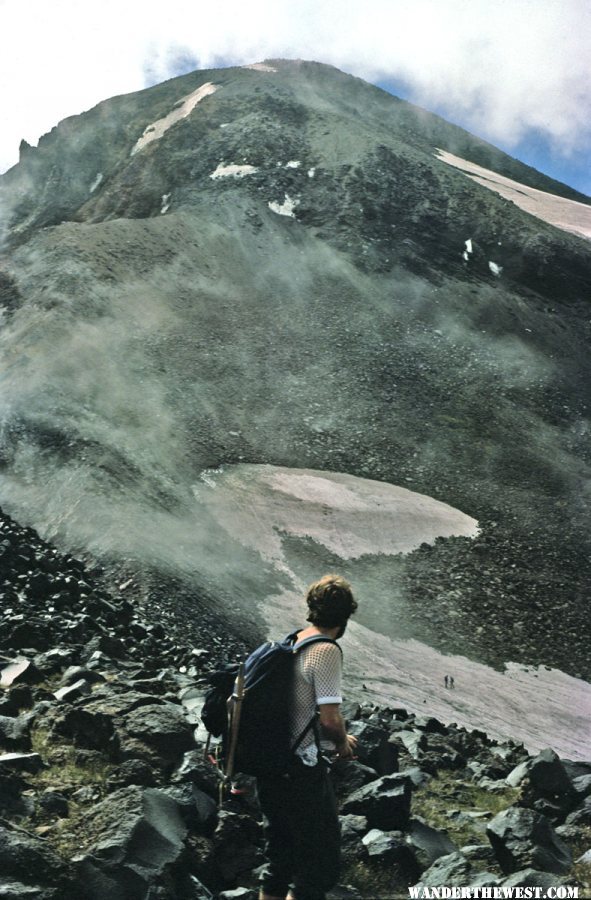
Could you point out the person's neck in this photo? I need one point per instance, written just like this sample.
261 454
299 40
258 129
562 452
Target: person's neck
317 629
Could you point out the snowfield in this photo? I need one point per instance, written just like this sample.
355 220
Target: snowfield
182 109
261 506
566 214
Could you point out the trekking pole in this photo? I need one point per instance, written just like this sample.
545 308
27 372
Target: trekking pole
234 711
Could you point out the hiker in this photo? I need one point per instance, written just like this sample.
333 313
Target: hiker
300 815
446 680
452 683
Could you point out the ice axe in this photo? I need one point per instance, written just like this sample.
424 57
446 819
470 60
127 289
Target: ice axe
234 712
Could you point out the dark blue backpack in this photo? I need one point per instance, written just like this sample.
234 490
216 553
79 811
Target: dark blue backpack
263 745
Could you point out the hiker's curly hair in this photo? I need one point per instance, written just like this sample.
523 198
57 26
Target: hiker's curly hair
330 602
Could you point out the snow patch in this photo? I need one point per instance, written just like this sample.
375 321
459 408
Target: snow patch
350 516
165 203
569 215
208 478
495 269
286 208
233 171
260 67
96 182
181 110
293 164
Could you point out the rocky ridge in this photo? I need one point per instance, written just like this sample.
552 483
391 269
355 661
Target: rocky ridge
104 791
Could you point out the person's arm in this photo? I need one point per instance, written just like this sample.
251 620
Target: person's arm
333 726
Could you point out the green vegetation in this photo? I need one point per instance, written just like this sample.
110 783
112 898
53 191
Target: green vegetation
74 768
440 795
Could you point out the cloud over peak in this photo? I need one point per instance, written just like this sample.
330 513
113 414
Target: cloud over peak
501 69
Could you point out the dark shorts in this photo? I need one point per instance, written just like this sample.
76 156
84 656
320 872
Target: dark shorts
302 833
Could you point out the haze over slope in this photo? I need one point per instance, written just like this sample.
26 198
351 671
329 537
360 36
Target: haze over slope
272 265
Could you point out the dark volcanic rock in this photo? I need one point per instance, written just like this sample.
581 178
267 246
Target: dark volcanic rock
427 843
374 749
452 870
385 802
235 841
162 727
20 762
548 776
23 857
388 848
523 838
350 776
140 839
533 878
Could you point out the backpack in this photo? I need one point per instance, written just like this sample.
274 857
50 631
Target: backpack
263 744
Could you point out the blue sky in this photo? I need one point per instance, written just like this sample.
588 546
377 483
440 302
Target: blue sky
515 72
536 147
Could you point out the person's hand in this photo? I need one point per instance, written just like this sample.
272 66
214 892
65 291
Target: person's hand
346 750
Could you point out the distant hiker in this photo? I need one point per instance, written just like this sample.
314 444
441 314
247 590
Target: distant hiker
451 681
300 815
446 681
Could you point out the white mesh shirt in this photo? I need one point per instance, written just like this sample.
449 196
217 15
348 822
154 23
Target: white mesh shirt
317 680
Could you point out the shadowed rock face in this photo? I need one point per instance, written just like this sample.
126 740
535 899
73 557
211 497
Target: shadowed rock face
310 306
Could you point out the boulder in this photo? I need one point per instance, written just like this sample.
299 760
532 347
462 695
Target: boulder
162 727
87 727
388 848
54 804
21 762
132 771
548 776
478 853
22 856
71 692
12 800
201 772
523 838
14 733
427 843
581 815
198 809
414 742
416 775
235 841
385 802
452 870
430 725
140 842
78 673
533 878
32 634
352 830
20 696
351 775
484 879
54 660
20 671
518 774
374 748
582 786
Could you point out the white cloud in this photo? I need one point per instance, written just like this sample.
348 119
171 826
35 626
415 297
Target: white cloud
501 68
